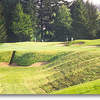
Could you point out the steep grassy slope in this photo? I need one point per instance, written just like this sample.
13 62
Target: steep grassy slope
74 69
86 88
68 66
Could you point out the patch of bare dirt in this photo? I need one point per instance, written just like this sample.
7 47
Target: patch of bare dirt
61 45
38 64
5 64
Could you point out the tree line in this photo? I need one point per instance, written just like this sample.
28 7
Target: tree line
48 20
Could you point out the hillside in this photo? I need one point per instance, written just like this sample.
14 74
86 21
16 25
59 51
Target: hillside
68 64
86 88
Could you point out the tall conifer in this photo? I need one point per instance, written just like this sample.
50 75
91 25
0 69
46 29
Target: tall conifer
63 23
22 25
3 33
80 20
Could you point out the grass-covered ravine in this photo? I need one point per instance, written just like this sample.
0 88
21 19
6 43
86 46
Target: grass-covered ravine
72 68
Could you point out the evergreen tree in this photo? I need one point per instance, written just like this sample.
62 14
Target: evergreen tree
3 34
9 6
45 11
30 9
80 20
63 22
22 25
92 16
98 25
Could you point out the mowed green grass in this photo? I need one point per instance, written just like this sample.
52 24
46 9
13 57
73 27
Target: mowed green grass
67 66
87 42
92 87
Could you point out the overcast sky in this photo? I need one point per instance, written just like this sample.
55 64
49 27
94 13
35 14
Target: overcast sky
93 1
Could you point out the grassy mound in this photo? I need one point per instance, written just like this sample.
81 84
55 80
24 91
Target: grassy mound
68 66
67 69
86 88
73 69
24 58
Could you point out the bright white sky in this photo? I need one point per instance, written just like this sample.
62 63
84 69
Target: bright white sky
93 1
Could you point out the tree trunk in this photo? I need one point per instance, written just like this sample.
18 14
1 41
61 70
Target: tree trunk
13 55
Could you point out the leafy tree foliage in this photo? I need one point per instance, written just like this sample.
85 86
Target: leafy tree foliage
49 20
92 19
30 9
22 25
63 22
80 20
45 10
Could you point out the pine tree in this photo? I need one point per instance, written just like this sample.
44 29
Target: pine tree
9 6
30 9
63 22
92 16
98 25
45 10
3 33
22 25
80 20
